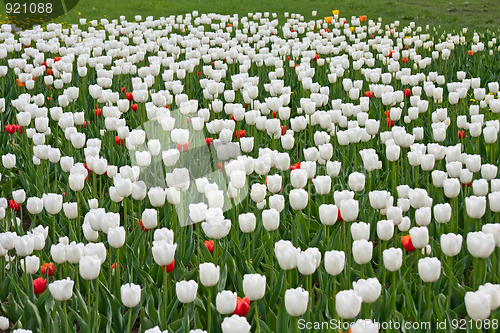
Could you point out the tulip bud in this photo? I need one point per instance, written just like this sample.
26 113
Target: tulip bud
30 264
334 262
385 229
89 266
442 213
393 259
356 181
270 219
247 222
451 244
299 199
52 203
130 294
286 254
234 324
480 244
308 261
423 216
348 304
34 205
478 305
364 326
419 237
186 291
62 290
296 301
254 286
429 269
475 206
328 214
209 274
226 302
163 252
116 237
362 251
70 210
298 178
150 218
368 289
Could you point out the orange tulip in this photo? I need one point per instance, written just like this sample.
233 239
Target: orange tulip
328 19
407 243
362 18
48 266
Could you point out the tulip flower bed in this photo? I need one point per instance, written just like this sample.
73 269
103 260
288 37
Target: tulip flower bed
210 173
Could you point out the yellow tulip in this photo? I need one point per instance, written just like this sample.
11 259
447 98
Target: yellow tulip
351 28
335 12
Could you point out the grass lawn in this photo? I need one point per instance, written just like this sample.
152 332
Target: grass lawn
475 14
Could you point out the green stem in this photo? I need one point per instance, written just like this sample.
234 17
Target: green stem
294 325
257 319
209 304
129 322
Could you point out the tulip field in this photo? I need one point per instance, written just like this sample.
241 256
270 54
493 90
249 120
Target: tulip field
249 173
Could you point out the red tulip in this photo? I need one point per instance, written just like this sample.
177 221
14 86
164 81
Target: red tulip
13 205
50 266
134 107
170 267
19 128
339 217
240 134
199 73
183 148
461 134
368 94
113 266
39 285
295 166
140 224
283 129
97 112
208 141
119 141
407 244
407 92
390 54
129 96
242 306
404 60
466 185
275 114
210 245
123 89
10 129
